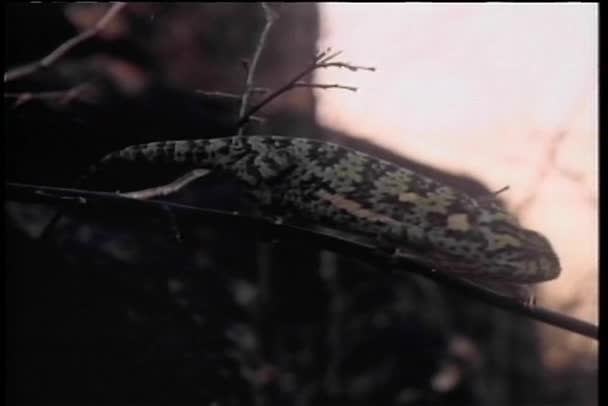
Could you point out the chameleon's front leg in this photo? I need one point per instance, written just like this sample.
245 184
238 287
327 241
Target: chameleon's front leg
522 293
169 188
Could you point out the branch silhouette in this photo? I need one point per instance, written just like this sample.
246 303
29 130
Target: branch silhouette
28 69
101 202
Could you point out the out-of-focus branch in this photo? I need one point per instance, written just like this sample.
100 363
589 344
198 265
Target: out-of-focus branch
218 94
325 86
106 205
550 164
26 70
545 169
269 16
59 96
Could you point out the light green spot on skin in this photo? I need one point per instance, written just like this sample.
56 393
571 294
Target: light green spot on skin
410 198
151 151
393 183
355 208
504 240
181 149
458 222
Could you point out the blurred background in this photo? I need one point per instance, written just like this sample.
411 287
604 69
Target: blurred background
506 93
113 309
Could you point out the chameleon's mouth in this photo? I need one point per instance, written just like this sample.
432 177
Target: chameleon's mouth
535 262
544 266
543 262
533 266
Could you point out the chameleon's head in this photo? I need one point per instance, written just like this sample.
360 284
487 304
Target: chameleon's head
485 240
509 249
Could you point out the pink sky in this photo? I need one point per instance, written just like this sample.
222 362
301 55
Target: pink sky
483 89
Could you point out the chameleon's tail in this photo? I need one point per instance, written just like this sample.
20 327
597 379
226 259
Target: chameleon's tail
207 153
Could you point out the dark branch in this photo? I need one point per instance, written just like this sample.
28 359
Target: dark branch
61 50
101 201
325 86
83 91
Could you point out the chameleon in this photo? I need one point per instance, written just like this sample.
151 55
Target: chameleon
353 192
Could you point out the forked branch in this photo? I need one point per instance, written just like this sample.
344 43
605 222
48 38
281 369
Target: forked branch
322 60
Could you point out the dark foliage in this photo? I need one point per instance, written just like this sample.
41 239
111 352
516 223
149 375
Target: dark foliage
120 311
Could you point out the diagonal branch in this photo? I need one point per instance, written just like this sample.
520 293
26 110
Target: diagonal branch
26 70
325 86
170 188
545 169
101 202
82 91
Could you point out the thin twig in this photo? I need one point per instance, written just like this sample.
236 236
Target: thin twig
325 86
169 188
47 61
232 96
322 57
60 96
492 196
214 94
502 189
319 61
264 252
346 65
103 201
269 17
260 90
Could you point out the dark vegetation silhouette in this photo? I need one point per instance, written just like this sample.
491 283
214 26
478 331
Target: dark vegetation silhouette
116 309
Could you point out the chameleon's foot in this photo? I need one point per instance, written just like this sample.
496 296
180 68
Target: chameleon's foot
527 296
521 293
169 188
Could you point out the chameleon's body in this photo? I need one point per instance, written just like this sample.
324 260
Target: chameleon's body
356 193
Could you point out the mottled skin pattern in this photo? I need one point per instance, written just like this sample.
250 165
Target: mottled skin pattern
352 192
